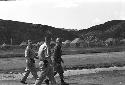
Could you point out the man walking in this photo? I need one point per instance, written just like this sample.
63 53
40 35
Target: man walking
30 62
57 61
44 55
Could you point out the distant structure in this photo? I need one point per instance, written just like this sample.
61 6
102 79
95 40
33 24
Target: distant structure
66 43
75 42
110 42
23 44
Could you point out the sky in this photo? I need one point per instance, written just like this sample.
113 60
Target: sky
68 14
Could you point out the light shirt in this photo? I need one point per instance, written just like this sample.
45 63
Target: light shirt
43 52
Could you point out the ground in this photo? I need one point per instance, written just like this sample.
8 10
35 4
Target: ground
95 60
101 78
12 69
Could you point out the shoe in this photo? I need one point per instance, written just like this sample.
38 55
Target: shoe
64 83
47 82
23 82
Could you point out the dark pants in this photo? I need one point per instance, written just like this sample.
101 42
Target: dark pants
58 69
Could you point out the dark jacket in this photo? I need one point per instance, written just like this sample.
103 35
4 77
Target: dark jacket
57 54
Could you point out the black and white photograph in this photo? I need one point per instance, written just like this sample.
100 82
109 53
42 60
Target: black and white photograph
62 42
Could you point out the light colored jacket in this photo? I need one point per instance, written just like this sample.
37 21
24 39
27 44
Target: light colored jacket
44 54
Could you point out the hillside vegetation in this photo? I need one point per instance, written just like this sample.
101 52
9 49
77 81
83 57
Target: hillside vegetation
111 29
21 31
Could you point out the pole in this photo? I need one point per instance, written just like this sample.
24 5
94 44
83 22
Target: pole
11 41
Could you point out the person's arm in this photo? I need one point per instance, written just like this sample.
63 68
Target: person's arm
49 55
55 52
27 53
62 60
61 55
48 52
41 53
35 55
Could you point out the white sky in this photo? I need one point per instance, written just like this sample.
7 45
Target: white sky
69 14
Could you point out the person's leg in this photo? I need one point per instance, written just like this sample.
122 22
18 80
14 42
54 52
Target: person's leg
47 81
55 68
25 76
40 79
34 71
60 71
46 65
50 75
62 79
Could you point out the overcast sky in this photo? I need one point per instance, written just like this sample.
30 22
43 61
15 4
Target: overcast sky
69 14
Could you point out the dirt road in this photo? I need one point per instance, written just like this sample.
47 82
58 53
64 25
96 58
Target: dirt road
101 78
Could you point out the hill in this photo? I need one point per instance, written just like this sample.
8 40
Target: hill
21 31
110 29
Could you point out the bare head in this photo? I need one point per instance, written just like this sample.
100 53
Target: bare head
30 43
59 41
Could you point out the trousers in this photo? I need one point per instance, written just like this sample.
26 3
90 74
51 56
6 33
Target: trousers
58 69
47 71
30 68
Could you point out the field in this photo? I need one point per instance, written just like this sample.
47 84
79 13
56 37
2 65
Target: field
76 61
12 64
75 58
73 61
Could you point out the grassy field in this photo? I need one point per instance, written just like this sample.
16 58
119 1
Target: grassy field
74 58
19 52
93 50
78 61
12 65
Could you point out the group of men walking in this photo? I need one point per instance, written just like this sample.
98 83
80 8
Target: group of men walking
50 62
